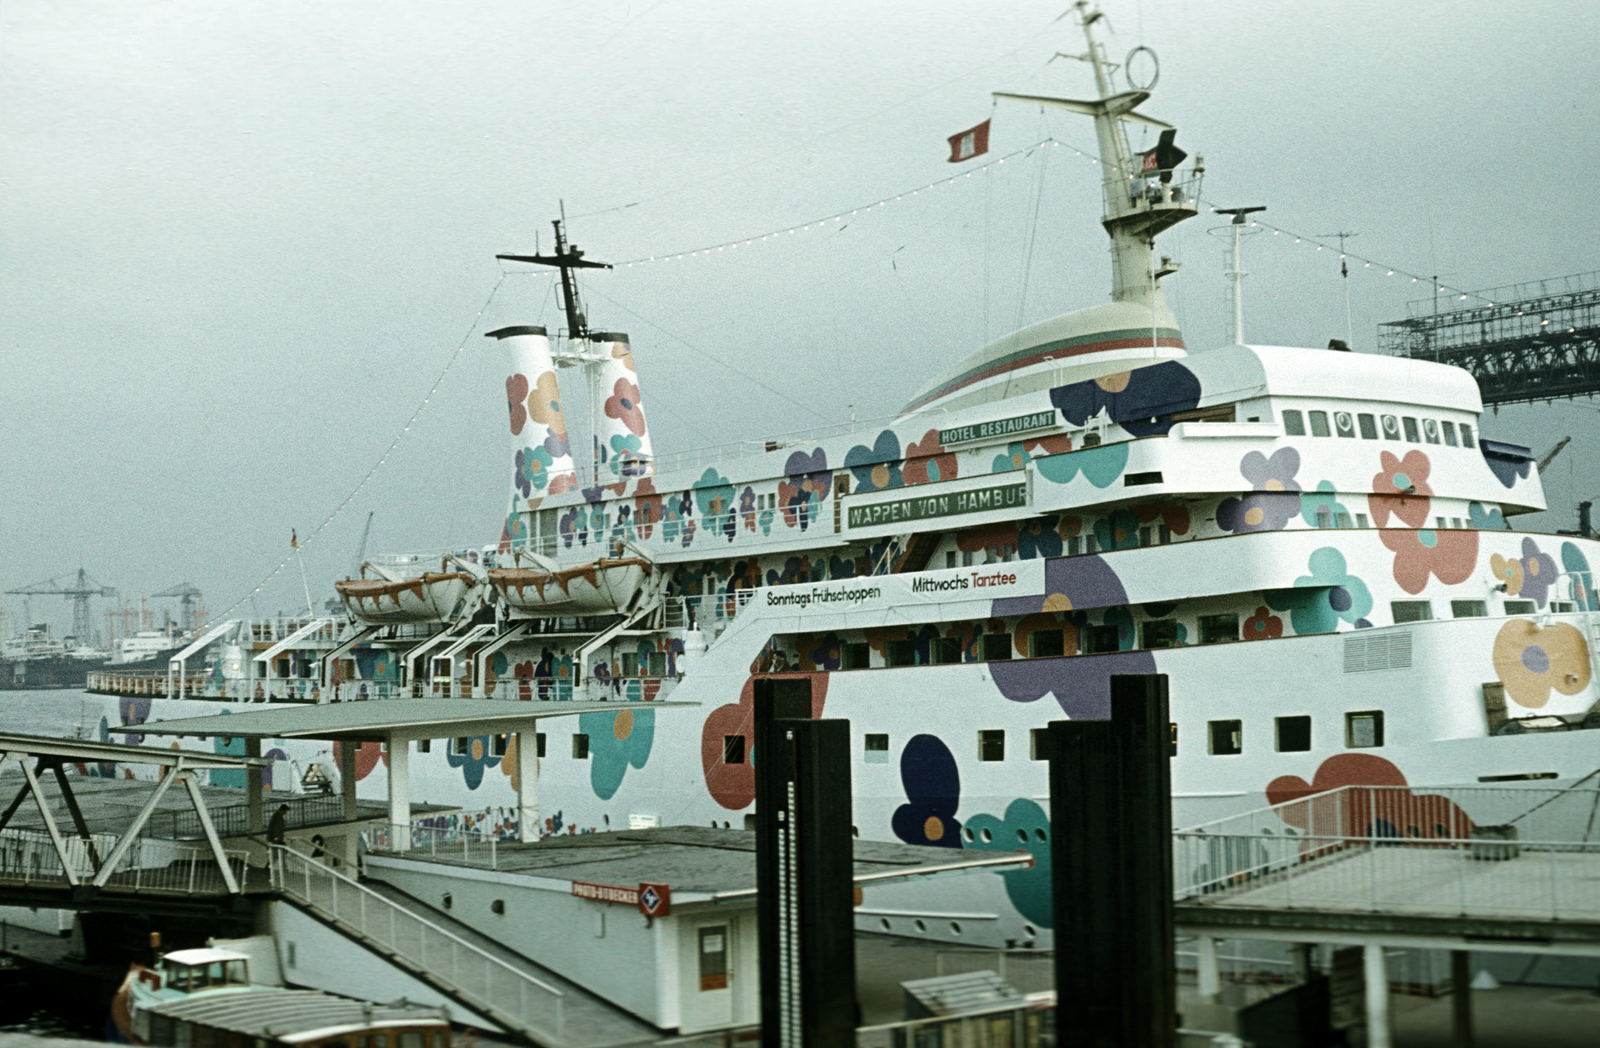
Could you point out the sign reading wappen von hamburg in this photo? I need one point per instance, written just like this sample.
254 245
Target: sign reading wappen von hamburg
922 507
1000 427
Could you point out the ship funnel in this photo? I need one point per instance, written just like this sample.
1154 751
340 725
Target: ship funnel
541 456
621 436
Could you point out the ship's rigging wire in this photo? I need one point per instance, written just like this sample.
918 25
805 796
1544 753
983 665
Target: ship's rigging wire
307 539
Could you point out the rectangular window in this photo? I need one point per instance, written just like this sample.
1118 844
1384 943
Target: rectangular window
1074 546
1563 607
857 655
1412 436
539 743
1097 640
1391 427
501 744
1218 629
1159 633
1430 431
1294 734
1455 522
1045 644
1144 536
460 747
966 558
630 664
875 749
1341 520
901 653
1466 436
1294 424
1319 423
1521 607
950 558
1163 534
1090 545
1468 609
1363 730
1361 520
1369 427
946 650
657 661
733 749
992 745
1039 744
1410 611
1449 429
1324 519
996 647
424 745
580 747
1439 523
1227 737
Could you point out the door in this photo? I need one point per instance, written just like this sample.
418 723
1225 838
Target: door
713 994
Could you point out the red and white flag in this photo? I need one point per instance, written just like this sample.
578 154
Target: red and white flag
969 143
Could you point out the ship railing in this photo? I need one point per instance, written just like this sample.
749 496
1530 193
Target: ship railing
1146 192
1026 1023
792 439
484 981
1487 850
29 858
462 845
705 612
233 820
594 688
415 562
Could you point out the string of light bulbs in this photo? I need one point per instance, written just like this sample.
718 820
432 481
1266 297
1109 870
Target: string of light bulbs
301 543
1462 294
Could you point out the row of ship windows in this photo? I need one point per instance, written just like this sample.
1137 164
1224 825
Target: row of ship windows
1371 427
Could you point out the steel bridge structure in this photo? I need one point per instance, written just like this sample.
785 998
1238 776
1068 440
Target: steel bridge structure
1523 343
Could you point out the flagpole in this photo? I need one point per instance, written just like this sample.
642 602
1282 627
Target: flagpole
294 540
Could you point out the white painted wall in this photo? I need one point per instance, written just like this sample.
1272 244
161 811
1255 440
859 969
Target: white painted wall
311 954
51 922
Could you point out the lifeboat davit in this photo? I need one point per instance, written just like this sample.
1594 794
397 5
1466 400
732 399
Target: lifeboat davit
429 597
599 587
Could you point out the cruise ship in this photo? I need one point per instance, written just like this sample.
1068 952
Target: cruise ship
1316 547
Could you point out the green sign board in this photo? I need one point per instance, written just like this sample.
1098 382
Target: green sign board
922 507
1000 427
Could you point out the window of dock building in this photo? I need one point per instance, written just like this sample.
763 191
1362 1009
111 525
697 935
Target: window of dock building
1449 430
1319 423
1294 424
538 743
1046 644
901 653
1219 629
1410 611
856 655
1430 431
1369 427
996 647
1521 607
1469 609
1159 633
1391 427
499 744
1039 744
1363 730
1466 436
1294 734
1412 436
580 747
874 749
1227 737
1101 639
1344 424
992 745
733 749
946 650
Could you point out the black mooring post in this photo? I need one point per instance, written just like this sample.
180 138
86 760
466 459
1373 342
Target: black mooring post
1111 866
805 905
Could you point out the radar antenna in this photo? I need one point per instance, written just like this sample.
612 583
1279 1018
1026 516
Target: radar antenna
567 258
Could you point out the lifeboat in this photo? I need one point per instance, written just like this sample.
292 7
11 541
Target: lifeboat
599 587
429 597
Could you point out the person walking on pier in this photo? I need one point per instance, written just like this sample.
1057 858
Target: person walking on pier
278 824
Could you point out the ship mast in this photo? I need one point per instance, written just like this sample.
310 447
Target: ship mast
1142 198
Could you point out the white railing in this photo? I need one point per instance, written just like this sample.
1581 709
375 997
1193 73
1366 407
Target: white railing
485 982
29 858
1486 851
707 611
445 844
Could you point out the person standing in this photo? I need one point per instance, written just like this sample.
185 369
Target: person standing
278 824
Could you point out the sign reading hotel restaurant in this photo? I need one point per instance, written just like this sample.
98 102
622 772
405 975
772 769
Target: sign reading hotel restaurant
922 507
1000 427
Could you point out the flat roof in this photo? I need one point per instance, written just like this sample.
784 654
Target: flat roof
382 718
291 1015
82 750
718 862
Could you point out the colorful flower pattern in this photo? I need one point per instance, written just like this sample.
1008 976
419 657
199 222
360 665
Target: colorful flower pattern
932 784
1263 625
1394 812
616 742
1100 466
1532 660
1583 583
734 785
1324 598
1141 401
1401 488
480 755
1529 576
876 468
807 481
927 462
1272 500
1024 827
623 405
516 393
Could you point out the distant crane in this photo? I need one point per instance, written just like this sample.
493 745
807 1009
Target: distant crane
188 595
79 591
1551 456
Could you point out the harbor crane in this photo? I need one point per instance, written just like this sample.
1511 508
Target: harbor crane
78 591
189 613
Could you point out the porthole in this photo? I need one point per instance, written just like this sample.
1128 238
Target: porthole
883 922
1040 834
966 835
988 838
920 925
955 927
1030 930
1022 835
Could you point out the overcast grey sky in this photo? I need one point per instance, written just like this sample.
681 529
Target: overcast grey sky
240 239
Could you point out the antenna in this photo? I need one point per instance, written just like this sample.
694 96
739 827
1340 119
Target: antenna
1236 272
567 258
1344 271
